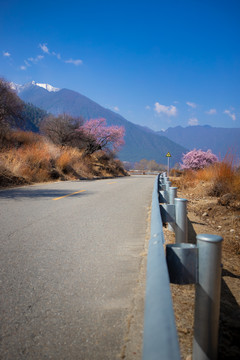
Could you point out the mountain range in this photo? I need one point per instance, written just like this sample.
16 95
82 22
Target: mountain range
139 143
221 141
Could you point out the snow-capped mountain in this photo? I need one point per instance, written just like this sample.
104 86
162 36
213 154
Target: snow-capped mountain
19 88
139 143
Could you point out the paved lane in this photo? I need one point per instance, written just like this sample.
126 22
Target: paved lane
69 265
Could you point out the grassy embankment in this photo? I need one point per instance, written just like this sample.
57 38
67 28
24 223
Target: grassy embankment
31 158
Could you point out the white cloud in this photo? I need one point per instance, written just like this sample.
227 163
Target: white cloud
193 121
191 104
31 61
27 63
74 62
211 112
167 110
35 60
6 54
147 107
44 48
116 108
58 56
232 115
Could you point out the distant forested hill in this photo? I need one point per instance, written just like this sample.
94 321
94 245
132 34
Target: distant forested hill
32 116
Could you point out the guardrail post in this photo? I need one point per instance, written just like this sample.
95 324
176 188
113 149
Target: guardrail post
182 263
207 300
166 187
172 196
181 228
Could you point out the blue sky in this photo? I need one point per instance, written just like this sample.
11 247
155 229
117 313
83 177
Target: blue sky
157 63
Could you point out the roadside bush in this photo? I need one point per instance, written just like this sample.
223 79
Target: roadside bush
35 159
225 180
176 172
222 178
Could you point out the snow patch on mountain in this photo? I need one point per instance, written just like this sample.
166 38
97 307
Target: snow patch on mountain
48 87
19 88
15 87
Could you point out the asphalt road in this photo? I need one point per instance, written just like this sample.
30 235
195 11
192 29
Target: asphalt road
69 264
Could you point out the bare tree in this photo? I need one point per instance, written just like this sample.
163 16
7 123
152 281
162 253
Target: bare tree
141 165
150 165
61 130
153 165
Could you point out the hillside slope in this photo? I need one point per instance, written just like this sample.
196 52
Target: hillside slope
139 143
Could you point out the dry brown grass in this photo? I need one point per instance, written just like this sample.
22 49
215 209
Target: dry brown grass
17 138
33 159
223 177
221 180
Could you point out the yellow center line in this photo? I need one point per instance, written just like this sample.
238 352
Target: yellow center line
61 197
113 182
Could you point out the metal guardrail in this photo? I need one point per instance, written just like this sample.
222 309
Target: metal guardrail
160 340
184 263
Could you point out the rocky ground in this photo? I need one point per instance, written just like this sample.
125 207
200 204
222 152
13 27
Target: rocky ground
220 216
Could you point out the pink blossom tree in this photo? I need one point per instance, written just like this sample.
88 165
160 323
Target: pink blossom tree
101 136
198 159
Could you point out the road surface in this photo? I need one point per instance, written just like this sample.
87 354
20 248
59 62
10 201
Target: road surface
69 264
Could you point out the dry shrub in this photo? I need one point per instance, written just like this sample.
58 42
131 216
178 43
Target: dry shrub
31 162
176 172
35 175
225 178
107 165
63 161
25 138
84 169
101 156
33 159
8 179
222 175
18 138
188 179
35 156
67 161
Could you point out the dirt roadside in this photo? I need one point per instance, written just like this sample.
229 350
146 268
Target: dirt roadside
207 215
